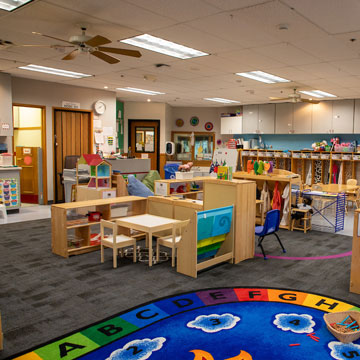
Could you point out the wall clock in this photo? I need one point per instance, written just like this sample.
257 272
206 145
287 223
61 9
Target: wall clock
99 107
194 121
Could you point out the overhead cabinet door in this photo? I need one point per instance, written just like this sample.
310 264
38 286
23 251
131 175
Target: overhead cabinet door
322 118
357 117
250 119
343 116
284 118
231 125
302 118
266 122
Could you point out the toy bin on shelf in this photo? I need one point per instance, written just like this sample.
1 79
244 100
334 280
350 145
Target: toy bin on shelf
184 174
170 170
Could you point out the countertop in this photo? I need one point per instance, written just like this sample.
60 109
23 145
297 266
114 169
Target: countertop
9 168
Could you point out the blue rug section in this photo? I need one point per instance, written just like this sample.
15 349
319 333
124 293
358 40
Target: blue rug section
249 327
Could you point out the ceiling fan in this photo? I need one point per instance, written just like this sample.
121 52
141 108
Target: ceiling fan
83 43
295 97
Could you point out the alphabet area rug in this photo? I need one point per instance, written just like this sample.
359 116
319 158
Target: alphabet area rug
213 324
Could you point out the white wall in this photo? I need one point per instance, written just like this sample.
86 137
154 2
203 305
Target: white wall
5 106
134 110
205 115
34 92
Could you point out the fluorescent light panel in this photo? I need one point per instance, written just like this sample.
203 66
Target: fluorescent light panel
53 71
162 46
263 77
140 91
10 5
220 100
318 93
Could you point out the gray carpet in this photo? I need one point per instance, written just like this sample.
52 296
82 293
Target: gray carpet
43 296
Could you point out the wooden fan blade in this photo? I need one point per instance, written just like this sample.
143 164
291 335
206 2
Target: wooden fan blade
126 52
51 37
277 98
71 55
310 101
97 40
109 59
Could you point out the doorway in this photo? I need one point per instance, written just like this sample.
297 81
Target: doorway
73 135
29 144
144 140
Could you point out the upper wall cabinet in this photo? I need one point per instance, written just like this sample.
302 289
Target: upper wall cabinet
343 117
231 125
250 119
302 118
266 118
259 119
331 117
357 117
322 118
284 118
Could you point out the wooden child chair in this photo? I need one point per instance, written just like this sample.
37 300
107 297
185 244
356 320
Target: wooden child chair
115 241
171 241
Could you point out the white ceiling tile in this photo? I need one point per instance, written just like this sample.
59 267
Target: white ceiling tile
116 12
194 38
180 11
350 66
233 28
334 16
324 70
266 19
234 4
293 73
327 48
249 60
287 54
346 81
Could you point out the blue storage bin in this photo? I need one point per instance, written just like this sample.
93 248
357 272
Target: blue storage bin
170 170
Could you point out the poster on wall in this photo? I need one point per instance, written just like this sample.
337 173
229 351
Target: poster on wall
9 192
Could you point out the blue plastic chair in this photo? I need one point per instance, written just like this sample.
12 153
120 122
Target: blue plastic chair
271 226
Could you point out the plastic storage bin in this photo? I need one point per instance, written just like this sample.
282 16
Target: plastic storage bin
6 159
170 170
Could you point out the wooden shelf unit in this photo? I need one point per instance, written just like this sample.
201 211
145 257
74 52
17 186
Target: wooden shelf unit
299 161
284 178
162 187
61 224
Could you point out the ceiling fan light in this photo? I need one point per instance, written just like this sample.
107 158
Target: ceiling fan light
263 77
53 71
10 5
162 46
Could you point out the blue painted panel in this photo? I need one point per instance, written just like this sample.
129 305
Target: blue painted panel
214 222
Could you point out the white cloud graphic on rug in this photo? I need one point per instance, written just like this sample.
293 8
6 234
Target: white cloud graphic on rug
138 349
214 322
296 323
340 351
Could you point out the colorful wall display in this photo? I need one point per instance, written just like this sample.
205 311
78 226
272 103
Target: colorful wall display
9 192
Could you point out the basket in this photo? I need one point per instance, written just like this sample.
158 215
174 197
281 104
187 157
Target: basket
337 317
184 174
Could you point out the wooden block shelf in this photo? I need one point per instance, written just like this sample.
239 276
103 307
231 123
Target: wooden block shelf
62 225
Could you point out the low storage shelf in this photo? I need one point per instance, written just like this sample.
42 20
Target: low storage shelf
72 232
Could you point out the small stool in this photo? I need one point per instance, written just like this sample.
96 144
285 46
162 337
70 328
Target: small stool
306 220
3 211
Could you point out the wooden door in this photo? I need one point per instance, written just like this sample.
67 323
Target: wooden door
28 159
73 135
144 138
